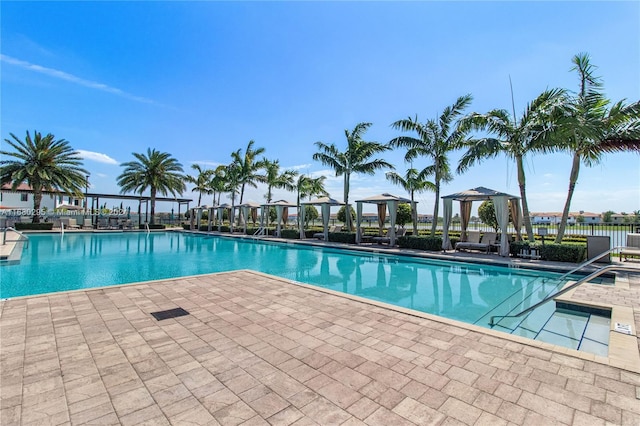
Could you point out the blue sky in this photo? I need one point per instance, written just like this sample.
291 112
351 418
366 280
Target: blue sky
201 79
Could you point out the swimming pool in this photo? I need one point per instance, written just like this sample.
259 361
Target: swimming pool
467 292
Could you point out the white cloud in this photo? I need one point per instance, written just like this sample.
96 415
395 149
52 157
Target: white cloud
102 175
206 163
96 156
299 167
73 79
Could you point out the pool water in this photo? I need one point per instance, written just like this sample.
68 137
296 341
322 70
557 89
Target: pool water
467 292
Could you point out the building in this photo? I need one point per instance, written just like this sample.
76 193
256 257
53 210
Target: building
554 218
22 199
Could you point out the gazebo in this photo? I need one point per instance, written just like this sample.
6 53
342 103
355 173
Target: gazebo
383 201
221 209
246 208
325 206
282 212
500 203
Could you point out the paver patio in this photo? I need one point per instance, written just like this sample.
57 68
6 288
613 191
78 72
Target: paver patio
260 350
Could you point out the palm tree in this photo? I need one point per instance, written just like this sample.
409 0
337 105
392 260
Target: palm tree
355 159
594 128
45 164
157 171
274 179
532 133
435 139
412 182
248 167
232 181
218 183
202 181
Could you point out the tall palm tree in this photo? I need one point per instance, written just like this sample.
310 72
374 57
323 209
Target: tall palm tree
533 132
435 139
595 128
274 179
248 167
355 159
413 181
218 183
45 164
233 183
202 181
156 171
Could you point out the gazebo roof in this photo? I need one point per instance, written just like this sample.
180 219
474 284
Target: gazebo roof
250 204
324 200
224 206
479 193
383 198
283 203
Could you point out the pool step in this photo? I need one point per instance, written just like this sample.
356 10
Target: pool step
583 331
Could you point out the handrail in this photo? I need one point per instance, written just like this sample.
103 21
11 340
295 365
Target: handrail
588 262
146 224
9 228
259 231
566 289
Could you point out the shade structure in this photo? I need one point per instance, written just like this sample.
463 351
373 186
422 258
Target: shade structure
501 204
280 206
246 208
325 204
391 202
221 209
69 207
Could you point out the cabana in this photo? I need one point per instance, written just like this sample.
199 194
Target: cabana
383 201
282 212
221 209
500 203
325 206
246 207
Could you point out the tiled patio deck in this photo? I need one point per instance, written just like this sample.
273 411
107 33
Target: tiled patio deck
260 350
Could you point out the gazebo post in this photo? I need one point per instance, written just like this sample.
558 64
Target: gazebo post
358 221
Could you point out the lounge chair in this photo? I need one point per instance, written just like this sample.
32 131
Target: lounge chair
387 240
483 245
87 224
632 248
70 223
320 235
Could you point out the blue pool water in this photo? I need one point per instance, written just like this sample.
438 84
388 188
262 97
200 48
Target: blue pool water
466 292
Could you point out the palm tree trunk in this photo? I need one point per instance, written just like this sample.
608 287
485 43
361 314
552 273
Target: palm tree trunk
347 209
573 178
414 216
241 196
435 207
200 199
37 199
153 205
523 194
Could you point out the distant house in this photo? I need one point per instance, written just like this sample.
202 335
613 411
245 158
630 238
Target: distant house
554 218
22 198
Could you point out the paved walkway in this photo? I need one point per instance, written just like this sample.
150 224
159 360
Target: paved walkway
257 350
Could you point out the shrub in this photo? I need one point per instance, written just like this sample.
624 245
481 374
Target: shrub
342 237
575 253
43 226
421 243
152 226
290 233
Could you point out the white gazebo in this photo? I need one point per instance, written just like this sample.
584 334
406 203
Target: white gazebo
247 208
282 212
325 206
384 201
500 203
221 209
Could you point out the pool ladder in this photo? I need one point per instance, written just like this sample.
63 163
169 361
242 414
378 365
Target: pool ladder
583 280
21 236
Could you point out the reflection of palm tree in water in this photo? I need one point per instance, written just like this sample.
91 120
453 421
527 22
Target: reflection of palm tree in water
346 265
447 296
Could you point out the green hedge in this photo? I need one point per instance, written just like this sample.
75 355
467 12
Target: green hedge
342 237
43 226
290 234
421 243
154 226
568 252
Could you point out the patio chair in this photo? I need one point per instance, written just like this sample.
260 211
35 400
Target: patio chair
387 240
632 247
488 239
87 224
70 223
333 229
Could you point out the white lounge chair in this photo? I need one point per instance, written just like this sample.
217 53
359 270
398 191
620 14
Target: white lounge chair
483 245
87 224
320 235
632 248
387 240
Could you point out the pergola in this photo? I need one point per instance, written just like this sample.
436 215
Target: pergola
282 212
246 208
325 204
221 209
384 201
500 203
